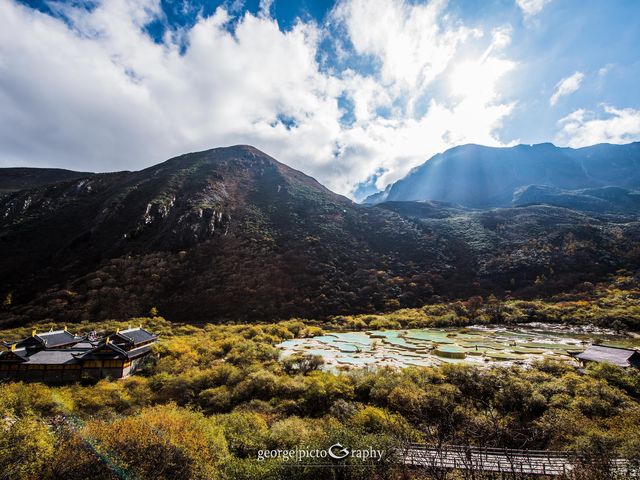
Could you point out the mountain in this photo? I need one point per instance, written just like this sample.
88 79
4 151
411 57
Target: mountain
378 197
601 200
484 177
15 179
231 234
227 233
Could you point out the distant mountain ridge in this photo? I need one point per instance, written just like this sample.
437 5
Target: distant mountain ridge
486 177
616 200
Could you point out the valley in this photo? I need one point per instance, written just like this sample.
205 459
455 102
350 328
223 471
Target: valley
289 317
319 240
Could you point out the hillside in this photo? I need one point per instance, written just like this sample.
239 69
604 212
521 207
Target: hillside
484 177
232 234
602 200
15 179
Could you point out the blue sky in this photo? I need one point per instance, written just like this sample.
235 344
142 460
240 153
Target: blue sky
353 92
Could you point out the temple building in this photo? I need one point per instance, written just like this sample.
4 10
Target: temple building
62 357
622 357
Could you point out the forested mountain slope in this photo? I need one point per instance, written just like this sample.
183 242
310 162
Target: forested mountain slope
232 234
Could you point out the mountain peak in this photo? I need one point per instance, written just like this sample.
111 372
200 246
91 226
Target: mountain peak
239 149
480 177
233 152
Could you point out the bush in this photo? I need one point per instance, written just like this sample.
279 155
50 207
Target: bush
163 442
302 363
384 324
246 432
26 448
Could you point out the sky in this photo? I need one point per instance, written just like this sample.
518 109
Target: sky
355 93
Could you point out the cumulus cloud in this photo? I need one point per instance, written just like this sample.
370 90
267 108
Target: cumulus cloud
531 8
265 7
413 47
95 92
412 41
566 86
100 94
583 127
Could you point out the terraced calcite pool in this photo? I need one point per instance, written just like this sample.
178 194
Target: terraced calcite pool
434 346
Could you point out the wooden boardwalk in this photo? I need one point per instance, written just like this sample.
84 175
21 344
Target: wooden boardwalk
500 460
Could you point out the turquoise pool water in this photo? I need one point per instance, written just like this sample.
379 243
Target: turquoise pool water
436 346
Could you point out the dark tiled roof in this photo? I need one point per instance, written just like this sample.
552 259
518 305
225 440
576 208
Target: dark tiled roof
20 352
136 352
136 336
116 352
53 339
52 357
113 353
29 342
57 338
43 357
615 355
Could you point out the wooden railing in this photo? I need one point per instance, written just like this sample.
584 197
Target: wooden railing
501 460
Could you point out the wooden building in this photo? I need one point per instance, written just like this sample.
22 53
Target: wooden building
622 357
61 357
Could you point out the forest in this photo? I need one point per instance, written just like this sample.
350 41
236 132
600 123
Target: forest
212 396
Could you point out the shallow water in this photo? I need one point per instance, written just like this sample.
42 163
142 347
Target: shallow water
478 345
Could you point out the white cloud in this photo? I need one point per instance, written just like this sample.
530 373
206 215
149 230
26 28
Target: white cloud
264 7
582 127
96 93
414 47
566 86
531 8
104 95
603 71
413 42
